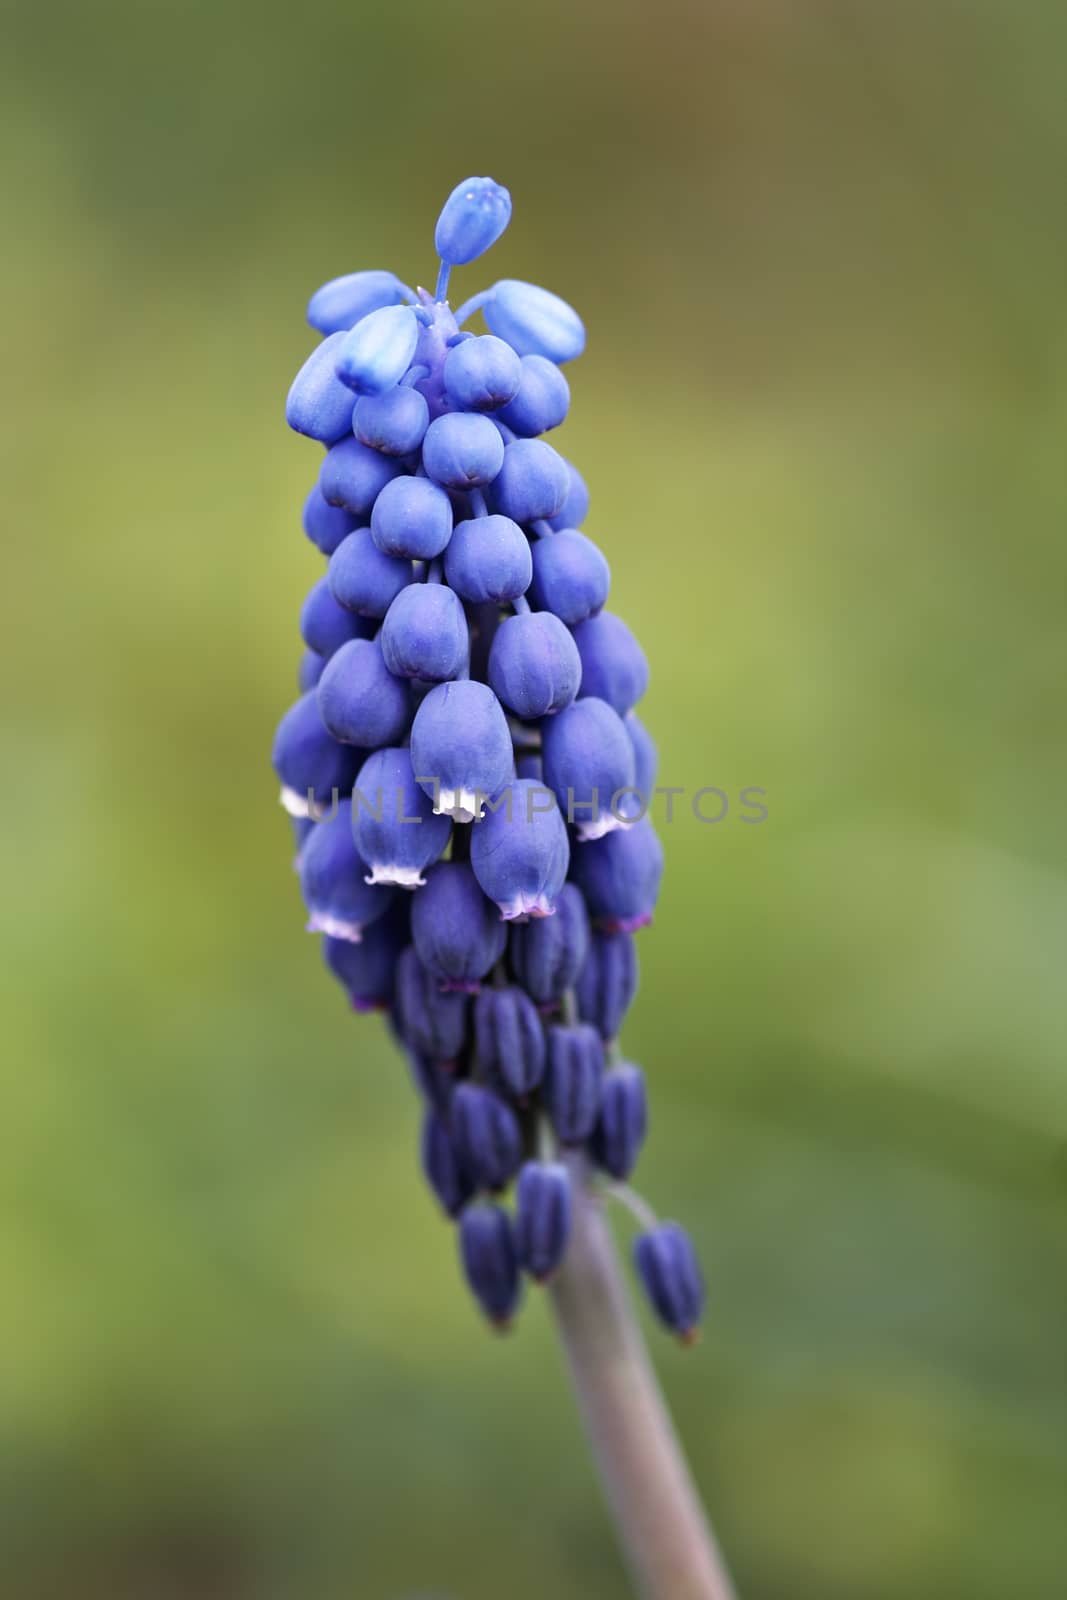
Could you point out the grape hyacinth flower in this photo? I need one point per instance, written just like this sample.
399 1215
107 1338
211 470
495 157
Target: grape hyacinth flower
470 788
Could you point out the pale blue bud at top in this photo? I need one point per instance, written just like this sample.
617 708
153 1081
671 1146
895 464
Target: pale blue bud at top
324 524
531 482
377 352
461 748
394 422
367 970
324 625
576 506
543 1215
541 400
490 1264
342 302
360 701
393 823
412 518
614 666
462 450
457 931
509 1042
534 666
319 405
353 476
646 756
471 221
482 374
587 759
619 876
488 559
616 1141
431 1022
573 1080
520 851
547 955
570 577
608 982
670 1274
333 880
363 578
424 634
444 1167
533 321
487 1135
306 758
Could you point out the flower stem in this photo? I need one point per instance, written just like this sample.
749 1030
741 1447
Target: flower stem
658 1516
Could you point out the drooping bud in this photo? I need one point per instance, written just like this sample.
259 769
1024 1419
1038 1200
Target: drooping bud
377 352
324 625
325 525
542 1217
614 667
548 954
576 506
620 876
671 1276
520 851
307 760
488 559
541 401
534 666
623 1121
531 481
573 1080
471 221
461 748
509 1042
588 759
534 321
394 422
608 982
444 1167
362 578
367 970
393 823
487 1135
342 302
570 576
360 701
425 633
481 374
457 931
462 450
333 882
353 477
318 404
491 1267
412 518
432 1022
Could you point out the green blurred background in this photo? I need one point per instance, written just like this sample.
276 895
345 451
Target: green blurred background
820 252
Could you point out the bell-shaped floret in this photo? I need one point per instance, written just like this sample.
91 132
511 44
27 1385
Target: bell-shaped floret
457 931
619 875
333 880
570 577
461 748
534 665
393 823
360 701
588 760
520 851
425 635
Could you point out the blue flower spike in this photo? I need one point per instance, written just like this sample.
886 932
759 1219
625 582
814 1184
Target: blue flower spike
466 733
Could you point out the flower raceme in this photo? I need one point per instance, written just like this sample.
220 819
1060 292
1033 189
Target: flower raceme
461 764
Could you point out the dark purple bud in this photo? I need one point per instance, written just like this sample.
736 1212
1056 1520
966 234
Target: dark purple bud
319 405
434 1083
461 748
353 476
619 876
588 760
487 1135
424 634
608 982
547 955
325 626
532 481
457 931
520 851
445 1170
571 577
534 666
573 1079
491 1267
432 1022
360 701
362 578
306 758
333 882
325 525
614 667
542 1217
393 823
509 1042
671 1277
623 1121
367 970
